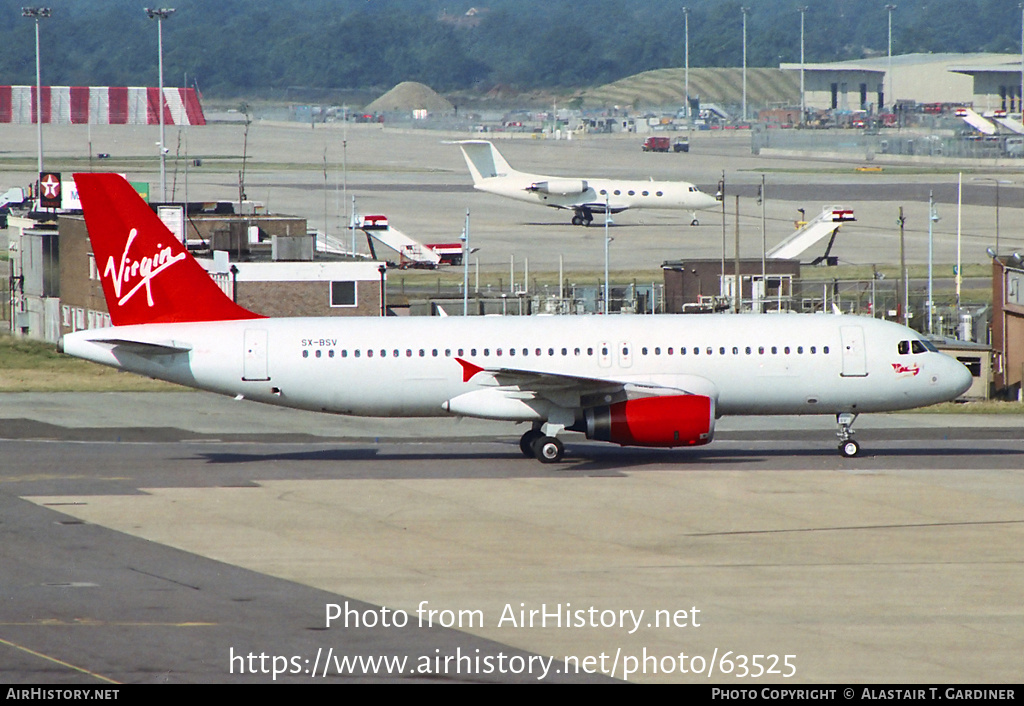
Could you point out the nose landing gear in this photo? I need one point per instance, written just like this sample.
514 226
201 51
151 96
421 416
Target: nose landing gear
847 446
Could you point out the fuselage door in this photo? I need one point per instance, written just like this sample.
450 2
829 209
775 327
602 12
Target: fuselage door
854 355
254 360
625 354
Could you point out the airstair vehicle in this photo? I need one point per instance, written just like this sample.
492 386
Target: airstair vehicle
979 123
411 253
825 224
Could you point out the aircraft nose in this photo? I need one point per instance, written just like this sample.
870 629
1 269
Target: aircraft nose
960 377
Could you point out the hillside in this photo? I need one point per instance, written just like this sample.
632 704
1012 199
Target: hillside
666 87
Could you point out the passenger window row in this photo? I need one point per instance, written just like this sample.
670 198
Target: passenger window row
735 350
618 192
553 352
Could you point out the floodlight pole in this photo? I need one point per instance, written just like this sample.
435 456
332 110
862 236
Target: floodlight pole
803 93
686 74
904 294
465 267
744 10
933 218
892 91
161 14
36 14
607 219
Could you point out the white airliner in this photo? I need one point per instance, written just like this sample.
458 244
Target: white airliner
584 197
633 380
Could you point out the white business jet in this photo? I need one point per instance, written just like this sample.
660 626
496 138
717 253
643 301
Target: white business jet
657 381
585 197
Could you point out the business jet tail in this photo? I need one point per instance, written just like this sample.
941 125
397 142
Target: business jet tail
484 160
147 274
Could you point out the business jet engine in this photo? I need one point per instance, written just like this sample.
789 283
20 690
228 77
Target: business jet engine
675 420
560 187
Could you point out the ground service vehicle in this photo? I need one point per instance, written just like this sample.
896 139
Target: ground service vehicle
656 144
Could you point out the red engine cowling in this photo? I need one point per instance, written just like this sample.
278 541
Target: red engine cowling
678 420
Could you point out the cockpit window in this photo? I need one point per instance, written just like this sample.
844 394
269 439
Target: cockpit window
916 346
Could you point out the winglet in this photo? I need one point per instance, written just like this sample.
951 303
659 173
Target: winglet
468 369
147 274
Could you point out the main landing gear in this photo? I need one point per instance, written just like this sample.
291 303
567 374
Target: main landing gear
546 449
847 446
583 217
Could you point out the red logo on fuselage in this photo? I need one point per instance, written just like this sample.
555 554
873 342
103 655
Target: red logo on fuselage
901 369
144 270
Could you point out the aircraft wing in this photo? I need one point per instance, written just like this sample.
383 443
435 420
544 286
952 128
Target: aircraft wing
578 391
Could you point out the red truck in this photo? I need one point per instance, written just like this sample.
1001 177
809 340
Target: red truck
656 144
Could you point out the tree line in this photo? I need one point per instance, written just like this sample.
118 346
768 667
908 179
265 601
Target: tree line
251 47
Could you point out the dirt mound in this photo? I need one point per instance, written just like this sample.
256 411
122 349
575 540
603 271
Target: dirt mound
409 96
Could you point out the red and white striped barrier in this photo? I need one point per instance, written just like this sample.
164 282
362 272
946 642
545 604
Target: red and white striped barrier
72 105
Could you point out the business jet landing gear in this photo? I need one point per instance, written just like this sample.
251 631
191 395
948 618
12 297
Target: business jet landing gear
847 446
694 222
583 217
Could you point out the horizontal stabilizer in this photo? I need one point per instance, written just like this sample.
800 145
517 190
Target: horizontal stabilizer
145 348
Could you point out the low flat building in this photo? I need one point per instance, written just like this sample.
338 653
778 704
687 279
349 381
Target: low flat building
1008 326
706 285
865 84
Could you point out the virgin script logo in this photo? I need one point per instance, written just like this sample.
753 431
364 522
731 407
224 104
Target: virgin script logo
901 369
136 274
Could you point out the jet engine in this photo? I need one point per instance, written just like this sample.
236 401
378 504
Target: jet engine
676 420
559 187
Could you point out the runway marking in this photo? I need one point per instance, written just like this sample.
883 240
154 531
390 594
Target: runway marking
861 527
54 476
62 663
93 623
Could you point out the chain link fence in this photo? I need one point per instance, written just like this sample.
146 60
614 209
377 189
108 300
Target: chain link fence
867 144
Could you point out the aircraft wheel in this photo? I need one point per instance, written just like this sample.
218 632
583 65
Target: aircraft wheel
694 222
548 449
849 449
527 440
577 221
587 221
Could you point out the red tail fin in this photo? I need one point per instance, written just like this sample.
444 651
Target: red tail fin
148 276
